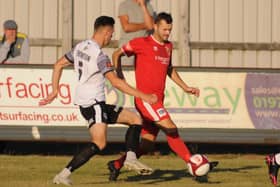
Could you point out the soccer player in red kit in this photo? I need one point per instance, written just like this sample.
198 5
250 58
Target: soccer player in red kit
153 63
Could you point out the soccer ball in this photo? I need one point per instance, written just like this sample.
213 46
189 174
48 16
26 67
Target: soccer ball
198 165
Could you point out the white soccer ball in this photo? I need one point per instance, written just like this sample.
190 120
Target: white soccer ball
198 165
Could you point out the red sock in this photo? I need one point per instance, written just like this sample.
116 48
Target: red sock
178 146
119 162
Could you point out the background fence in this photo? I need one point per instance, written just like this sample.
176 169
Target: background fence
207 33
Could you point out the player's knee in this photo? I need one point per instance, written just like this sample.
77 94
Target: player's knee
148 138
135 119
101 145
171 132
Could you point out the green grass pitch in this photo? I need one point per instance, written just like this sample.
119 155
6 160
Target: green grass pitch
234 170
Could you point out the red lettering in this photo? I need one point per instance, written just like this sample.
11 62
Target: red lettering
26 90
9 86
65 93
22 92
47 88
31 92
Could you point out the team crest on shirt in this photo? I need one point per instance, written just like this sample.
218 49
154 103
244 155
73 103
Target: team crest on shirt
161 112
168 50
155 48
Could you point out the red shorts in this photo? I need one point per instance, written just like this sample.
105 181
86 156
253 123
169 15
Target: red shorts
155 112
150 114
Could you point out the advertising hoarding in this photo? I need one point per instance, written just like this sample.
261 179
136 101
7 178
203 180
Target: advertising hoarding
230 100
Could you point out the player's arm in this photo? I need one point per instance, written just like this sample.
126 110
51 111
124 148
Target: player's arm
126 88
173 74
56 75
116 58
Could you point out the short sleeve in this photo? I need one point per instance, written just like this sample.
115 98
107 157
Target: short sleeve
103 63
132 47
70 56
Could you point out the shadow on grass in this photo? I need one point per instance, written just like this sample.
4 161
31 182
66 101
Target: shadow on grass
238 170
167 175
160 176
170 175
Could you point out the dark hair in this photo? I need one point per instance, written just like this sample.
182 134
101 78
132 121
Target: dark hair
164 16
103 21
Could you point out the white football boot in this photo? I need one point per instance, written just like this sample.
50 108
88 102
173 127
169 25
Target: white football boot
138 167
63 178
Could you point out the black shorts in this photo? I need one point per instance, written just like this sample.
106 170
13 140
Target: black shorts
101 113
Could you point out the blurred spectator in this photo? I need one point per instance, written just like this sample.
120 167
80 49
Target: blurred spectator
136 18
14 46
273 163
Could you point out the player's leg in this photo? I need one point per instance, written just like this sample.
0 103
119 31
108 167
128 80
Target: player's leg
176 143
132 135
173 139
98 133
98 142
132 140
147 144
273 163
160 116
148 136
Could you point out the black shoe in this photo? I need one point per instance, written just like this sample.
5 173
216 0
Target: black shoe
201 179
213 165
204 178
114 172
273 168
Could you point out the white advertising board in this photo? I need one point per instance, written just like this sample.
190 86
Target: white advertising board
236 100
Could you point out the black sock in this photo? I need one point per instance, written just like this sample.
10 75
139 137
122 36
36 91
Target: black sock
83 156
132 137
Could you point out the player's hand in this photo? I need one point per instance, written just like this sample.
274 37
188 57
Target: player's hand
48 100
193 91
151 98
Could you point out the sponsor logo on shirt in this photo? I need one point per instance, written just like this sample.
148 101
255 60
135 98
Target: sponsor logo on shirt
155 48
163 60
83 55
168 50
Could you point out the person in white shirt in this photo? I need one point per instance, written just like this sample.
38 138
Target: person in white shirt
92 67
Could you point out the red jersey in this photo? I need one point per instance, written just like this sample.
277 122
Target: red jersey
152 60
